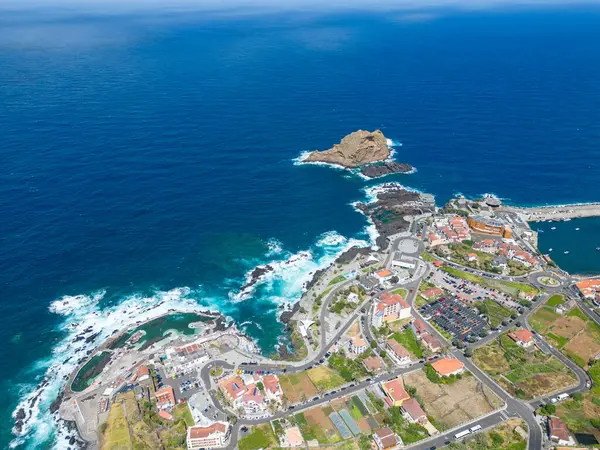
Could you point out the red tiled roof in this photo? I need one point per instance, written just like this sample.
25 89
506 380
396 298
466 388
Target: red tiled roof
446 366
558 428
271 383
398 348
521 335
198 432
390 299
420 325
373 363
395 389
383 273
412 407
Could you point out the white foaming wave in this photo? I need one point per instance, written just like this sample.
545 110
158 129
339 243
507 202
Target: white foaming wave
83 317
392 143
492 195
68 304
275 247
286 282
301 160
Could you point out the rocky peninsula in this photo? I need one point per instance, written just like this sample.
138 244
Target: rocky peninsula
382 169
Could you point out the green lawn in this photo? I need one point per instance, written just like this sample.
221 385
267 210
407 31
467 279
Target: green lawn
261 437
401 292
409 341
555 300
337 280
182 411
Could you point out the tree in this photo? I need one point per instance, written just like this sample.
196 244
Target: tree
460 344
260 386
469 352
483 333
548 410
578 396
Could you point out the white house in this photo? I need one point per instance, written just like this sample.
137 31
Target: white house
358 345
353 298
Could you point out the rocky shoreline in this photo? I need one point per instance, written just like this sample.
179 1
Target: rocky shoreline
385 168
389 210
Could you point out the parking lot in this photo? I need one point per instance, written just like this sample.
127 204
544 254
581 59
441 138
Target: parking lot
454 317
470 292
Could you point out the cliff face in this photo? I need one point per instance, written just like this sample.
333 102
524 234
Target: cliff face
356 149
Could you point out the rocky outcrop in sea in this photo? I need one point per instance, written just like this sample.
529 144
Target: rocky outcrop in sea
354 150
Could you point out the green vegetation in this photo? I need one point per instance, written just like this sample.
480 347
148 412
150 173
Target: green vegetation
261 437
401 292
349 369
216 371
325 378
555 300
88 373
493 311
526 374
183 412
337 280
136 424
508 287
409 341
574 333
440 330
311 432
409 432
459 254
501 437
428 257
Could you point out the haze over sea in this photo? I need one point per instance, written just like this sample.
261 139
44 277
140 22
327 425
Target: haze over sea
149 156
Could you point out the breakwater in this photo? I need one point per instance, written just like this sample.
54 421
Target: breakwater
558 212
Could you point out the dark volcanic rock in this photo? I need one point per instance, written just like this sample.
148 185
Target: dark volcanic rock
351 253
385 168
255 276
56 403
388 211
287 315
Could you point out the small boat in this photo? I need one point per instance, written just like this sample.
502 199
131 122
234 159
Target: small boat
576 229
567 219
539 230
598 249
553 228
566 252
549 250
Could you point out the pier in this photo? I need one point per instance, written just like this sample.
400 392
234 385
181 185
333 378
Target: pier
558 212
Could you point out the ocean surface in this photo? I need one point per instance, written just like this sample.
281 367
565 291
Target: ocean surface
148 160
572 245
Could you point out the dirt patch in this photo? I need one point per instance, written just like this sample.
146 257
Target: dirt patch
584 346
490 358
338 404
317 417
363 425
297 387
456 403
568 326
354 330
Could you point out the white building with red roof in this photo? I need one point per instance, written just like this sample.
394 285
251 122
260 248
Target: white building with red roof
273 389
522 337
390 307
215 435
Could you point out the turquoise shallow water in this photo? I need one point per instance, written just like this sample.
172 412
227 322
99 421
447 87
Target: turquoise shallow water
148 158
583 258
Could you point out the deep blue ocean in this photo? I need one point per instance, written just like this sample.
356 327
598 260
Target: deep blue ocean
149 157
